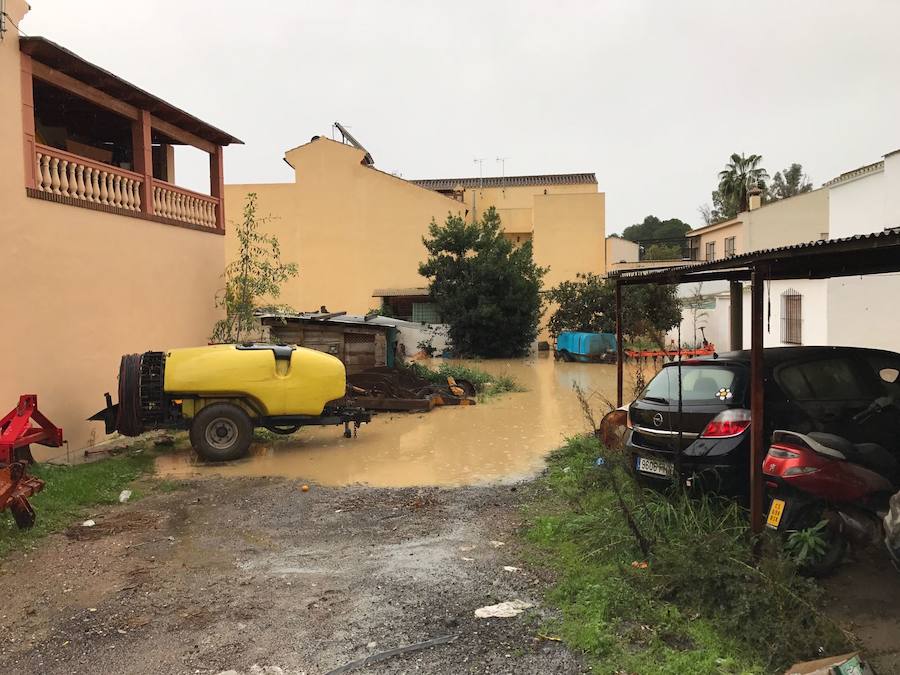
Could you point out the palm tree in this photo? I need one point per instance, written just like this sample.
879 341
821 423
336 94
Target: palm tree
741 174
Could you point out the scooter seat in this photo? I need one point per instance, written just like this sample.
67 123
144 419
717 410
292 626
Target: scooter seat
875 457
839 443
870 455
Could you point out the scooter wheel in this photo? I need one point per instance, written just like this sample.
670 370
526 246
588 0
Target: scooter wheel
835 546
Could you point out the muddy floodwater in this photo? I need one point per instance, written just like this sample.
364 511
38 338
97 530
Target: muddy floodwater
502 440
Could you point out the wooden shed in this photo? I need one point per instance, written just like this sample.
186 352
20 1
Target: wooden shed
356 341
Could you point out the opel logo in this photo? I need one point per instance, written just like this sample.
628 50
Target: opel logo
657 420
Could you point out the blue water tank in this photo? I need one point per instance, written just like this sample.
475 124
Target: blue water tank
586 344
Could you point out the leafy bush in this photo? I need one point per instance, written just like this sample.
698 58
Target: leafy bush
488 290
698 601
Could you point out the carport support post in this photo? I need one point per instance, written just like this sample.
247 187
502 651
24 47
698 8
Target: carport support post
736 289
620 350
757 423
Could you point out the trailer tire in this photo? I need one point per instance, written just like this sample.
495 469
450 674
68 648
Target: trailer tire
221 432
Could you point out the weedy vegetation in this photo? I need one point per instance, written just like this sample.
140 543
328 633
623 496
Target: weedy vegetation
486 385
668 583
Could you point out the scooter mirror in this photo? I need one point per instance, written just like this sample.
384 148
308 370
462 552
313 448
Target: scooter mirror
889 375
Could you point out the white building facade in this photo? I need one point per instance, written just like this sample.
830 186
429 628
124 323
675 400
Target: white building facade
851 311
865 311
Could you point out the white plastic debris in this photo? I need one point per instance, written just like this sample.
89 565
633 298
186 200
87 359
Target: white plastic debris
503 610
88 523
468 559
124 496
497 544
510 568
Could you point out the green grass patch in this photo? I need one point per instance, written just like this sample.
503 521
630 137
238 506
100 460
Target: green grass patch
703 603
69 493
486 385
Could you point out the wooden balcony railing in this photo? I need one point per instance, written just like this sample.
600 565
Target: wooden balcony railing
63 173
183 205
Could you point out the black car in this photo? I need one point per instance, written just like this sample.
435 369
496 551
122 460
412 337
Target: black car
806 389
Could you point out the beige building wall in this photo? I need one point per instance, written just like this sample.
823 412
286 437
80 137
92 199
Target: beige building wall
84 287
795 220
789 221
717 234
619 250
515 204
569 235
350 228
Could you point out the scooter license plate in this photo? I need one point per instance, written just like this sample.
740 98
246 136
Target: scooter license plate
775 513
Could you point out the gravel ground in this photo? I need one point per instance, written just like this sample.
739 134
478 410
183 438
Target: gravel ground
255 575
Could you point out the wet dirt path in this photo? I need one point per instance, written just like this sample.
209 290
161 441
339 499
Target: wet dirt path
248 574
502 440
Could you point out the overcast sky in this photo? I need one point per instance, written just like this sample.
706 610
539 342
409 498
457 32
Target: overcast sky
650 96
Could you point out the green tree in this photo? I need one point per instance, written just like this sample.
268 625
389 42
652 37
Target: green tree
488 290
654 228
740 175
589 304
670 234
788 183
256 273
663 252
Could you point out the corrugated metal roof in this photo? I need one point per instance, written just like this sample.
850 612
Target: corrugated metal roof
507 181
887 237
399 292
315 317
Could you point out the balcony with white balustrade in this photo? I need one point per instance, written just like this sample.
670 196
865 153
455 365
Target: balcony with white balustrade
93 140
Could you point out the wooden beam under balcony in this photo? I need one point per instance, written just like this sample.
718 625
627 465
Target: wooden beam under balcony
85 91
178 134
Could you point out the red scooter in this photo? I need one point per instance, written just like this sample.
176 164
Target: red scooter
818 476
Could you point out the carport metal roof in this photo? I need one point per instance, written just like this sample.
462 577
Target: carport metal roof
877 253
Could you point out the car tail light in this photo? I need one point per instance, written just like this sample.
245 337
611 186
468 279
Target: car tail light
782 453
727 423
800 470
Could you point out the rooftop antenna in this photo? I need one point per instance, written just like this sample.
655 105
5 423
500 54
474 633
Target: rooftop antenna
480 162
502 162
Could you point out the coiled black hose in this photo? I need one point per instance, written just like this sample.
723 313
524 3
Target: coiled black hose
129 421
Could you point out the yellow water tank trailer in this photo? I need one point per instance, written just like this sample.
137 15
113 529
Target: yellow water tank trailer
221 392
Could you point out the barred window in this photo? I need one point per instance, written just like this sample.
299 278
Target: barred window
729 246
710 250
791 317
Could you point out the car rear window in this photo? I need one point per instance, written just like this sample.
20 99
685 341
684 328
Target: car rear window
825 380
699 384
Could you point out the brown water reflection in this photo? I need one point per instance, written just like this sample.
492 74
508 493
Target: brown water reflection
502 440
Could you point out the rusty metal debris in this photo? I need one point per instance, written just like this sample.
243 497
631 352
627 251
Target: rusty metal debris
385 388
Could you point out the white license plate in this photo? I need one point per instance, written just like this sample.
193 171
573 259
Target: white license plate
657 467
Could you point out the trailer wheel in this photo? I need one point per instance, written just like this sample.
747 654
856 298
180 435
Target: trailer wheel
221 431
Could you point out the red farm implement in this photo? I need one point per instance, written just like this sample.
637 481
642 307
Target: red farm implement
17 433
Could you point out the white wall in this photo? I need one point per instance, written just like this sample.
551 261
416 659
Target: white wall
814 315
857 207
892 190
863 311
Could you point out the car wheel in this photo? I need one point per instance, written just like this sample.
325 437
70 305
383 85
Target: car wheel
221 432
